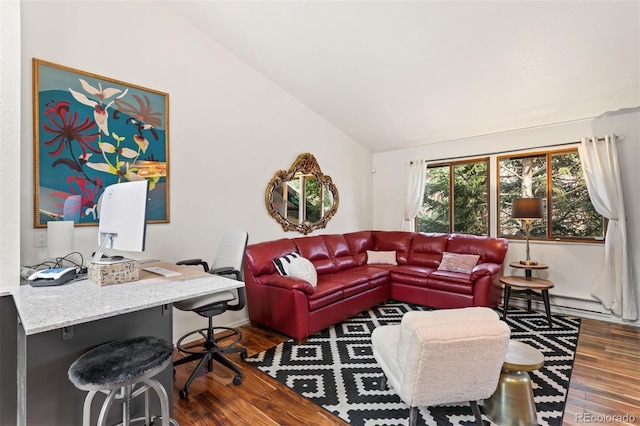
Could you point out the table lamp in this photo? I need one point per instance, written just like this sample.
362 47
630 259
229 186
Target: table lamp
527 209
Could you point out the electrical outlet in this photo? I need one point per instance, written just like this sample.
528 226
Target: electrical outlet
40 239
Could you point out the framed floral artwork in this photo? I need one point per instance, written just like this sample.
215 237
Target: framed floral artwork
90 132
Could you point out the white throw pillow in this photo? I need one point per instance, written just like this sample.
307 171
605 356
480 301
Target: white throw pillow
283 263
454 262
303 268
381 257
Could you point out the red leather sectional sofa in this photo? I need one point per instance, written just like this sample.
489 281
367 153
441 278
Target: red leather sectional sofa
348 285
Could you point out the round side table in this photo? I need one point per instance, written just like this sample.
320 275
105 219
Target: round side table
528 267
527 287
512 403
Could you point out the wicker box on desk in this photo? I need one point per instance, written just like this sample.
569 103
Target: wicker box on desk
114 273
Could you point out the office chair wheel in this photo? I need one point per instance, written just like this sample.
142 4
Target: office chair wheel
183 393
237 380
243 355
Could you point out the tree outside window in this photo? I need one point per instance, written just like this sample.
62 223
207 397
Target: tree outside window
520 177
557 178
456 198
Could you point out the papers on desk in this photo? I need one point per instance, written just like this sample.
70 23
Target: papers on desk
161 271
155 272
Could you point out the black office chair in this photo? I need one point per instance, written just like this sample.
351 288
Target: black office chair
218 341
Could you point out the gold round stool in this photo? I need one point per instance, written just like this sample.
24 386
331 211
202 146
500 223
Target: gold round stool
512 403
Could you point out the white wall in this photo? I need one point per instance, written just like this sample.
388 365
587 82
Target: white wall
573 267
230 128
9 142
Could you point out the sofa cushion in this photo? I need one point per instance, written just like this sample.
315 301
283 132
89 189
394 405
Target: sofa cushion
490 249
339 251
345 278
393 240
413 270
381 257
287 283
314 249
412 280
337 245
325 293
427 249
373 272
456 262
359 243
447 276
452 284
350 281
283 263
259 257
303 269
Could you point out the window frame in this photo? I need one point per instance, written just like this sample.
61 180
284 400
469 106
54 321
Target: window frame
451 164
548 154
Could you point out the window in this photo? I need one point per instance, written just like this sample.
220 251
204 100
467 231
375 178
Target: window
316 199
556 177
456 198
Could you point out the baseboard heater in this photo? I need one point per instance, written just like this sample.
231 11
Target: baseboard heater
569 302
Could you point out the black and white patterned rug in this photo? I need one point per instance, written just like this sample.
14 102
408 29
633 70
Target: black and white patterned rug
336 369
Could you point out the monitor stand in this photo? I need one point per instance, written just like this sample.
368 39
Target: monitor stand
98 255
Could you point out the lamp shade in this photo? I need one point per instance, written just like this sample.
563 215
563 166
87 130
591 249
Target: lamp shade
527 208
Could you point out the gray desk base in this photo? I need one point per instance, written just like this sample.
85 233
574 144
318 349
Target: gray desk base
46 397
8 360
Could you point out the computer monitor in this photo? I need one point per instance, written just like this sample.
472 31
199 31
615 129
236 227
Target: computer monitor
122 218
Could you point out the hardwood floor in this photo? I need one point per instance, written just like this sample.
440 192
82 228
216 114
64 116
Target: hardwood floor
604 389
605 383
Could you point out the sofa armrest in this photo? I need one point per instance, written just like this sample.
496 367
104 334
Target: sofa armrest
287 283
485 269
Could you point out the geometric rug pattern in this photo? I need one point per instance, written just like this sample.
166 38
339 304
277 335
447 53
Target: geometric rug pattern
335 369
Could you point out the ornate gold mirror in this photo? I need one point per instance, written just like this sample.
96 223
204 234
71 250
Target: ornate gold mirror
302 198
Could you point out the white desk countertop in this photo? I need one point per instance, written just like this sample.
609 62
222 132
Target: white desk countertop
48 308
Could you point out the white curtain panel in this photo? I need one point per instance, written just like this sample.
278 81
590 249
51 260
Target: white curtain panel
613 287
415 176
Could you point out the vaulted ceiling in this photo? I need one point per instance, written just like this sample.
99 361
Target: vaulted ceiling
396 74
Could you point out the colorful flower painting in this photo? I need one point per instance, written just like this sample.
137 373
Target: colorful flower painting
90 132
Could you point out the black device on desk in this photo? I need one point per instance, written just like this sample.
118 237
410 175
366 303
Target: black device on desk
50 277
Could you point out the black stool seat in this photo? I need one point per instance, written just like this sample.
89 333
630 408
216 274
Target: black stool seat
120 362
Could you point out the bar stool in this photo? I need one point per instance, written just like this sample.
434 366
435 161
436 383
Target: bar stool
512 403
115 368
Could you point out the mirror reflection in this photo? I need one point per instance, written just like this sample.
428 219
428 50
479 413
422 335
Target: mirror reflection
306 199
303 198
